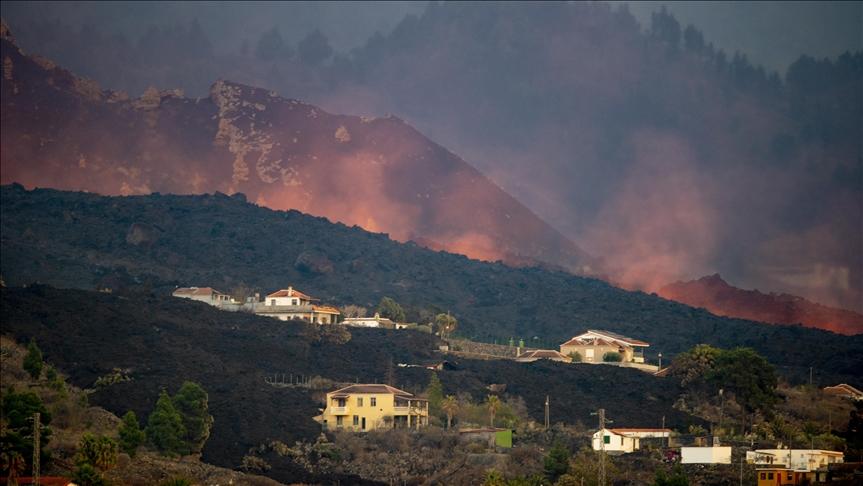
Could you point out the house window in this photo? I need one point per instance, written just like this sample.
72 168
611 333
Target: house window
763 475
359 401
356 420
790 476
770 475
607 439
294 302
373 401
339 421
272 301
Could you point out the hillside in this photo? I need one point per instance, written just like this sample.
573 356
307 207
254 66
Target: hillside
716 295
154 243
63 131
162 341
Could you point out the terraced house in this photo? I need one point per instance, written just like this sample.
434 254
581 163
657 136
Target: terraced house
364 407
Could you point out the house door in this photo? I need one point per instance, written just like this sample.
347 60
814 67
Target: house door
364 423
588 354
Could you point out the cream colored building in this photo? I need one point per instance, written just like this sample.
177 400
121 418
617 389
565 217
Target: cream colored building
291 304
376 321
593 345
364 407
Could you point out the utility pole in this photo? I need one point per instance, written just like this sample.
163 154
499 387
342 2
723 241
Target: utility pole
741 469
602 422
810 376
546 413
37 426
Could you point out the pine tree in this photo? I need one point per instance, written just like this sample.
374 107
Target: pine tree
165 428
435 394
33 360
131 435
191 402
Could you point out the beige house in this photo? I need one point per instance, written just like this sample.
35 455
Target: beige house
291 304
207 295
593 345
625 440
363 407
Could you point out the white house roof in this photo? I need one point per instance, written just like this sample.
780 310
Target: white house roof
603 337
196 291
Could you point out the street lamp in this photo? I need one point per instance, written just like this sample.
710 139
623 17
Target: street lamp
721 405
660 362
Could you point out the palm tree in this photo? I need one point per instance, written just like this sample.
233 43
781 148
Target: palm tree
493 404
450 406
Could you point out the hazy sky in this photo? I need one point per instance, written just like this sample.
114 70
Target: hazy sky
770 33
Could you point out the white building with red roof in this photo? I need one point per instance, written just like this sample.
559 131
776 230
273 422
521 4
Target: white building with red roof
625 440
594 345
291 304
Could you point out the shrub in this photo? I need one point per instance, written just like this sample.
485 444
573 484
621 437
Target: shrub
576 357
98 451
556 463
33 360
612 357
177 481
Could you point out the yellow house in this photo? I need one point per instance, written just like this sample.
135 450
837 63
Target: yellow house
363 407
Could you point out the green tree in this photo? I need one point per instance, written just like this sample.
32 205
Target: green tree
675 478
98 451
556 462
165 428
191 401
746 373
391 309
33 360
445 324
493 405
17 438
131 435
450 407
612 357
86 474
576 357
693 365
434 391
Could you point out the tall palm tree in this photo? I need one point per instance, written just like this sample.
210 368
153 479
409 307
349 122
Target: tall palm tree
450 406
493 404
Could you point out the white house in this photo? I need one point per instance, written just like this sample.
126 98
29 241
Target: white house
290 304
376 321
207 295
625 440
705 455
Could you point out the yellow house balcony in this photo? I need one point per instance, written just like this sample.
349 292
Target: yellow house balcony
339 410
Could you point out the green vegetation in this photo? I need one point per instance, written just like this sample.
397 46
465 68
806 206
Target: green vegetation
741 371
675 478
612 357
391 309
96 454
450 407
493 404
575 356
17 438
556 462
191 402
165 428
33 360
445 324
131 434
434 392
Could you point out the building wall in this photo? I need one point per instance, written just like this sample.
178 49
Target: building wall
616 443
374 415
285 301
705 455
598 352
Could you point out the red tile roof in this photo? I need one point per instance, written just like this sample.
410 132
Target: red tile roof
326 309
290 292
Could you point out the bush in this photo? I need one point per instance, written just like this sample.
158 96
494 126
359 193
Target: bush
576 357
612 357
177 481
556 462
33 360
97 451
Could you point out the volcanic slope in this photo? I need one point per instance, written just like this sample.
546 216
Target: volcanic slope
716 295
157 242
63 131
162 341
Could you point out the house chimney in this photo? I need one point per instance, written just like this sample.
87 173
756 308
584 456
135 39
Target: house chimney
290 291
